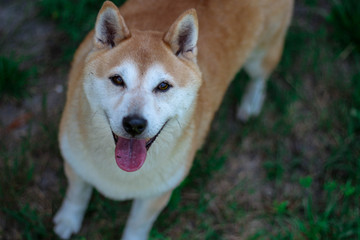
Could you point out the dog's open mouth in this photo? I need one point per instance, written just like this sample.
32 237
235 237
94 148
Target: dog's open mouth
130 153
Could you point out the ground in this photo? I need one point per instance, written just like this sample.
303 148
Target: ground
291 173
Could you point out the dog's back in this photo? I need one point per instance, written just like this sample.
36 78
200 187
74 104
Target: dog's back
231 34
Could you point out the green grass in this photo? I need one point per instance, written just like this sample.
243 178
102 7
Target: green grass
328 207
22 201
306 142
75 18
18 174
14 81
344 18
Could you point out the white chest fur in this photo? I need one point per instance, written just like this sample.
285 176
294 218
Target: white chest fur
94 161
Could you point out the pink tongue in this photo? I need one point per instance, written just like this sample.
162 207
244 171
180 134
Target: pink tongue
130 154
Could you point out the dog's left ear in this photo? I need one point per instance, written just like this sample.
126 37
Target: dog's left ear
110 27
183 34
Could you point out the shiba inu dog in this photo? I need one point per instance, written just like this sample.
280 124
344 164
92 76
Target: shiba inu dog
143 89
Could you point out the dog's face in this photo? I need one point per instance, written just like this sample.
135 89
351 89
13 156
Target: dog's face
141 81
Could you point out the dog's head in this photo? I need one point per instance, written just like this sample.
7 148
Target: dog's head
141 80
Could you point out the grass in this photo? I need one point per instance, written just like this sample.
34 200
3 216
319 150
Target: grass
17 175
14 81
328 206
291 173
75 18
344 18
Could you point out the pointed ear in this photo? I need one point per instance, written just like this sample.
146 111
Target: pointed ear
110 27
183 34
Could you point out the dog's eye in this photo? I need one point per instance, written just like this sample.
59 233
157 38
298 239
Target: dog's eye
117 80
163 87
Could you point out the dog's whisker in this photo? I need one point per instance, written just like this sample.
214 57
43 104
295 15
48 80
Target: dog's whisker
177 120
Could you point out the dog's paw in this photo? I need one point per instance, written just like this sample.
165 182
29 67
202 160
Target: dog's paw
252 102
68 221
64 229
246 110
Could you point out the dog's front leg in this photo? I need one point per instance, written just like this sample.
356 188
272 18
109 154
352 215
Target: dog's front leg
143 213
71 213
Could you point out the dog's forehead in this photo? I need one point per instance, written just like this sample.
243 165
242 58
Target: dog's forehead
147 57
143 49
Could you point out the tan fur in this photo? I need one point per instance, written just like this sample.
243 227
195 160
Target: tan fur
232 34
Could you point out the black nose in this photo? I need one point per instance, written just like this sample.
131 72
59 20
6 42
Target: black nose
134 125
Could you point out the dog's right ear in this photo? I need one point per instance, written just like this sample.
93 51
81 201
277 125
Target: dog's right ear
110 27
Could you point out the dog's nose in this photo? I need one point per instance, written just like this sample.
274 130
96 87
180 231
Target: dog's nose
134 125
